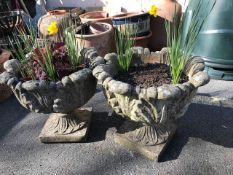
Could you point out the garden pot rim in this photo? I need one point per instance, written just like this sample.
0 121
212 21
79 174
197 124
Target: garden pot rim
110 28
142 37
56 12
85 15
194 70
21 81
45 96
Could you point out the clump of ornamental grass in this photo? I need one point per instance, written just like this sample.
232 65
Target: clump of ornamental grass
21 45
124 43
43 59
66 34
73 46
181 39
25 45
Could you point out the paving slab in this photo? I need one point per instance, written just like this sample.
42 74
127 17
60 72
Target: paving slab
218 88
203 143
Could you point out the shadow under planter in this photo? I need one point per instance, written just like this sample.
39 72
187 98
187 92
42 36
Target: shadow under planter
151 112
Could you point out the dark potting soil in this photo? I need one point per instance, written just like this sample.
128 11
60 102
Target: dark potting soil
62 65
148 75
60 62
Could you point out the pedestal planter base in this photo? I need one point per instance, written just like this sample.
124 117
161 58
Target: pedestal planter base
152 152
71 127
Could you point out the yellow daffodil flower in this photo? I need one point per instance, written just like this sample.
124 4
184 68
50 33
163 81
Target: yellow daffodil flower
52 28
153 10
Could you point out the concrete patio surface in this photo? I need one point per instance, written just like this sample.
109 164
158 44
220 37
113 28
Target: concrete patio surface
203 143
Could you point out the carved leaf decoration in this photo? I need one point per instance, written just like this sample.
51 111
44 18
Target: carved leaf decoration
22 98
139 110
41 100
66 125
150 135
164 117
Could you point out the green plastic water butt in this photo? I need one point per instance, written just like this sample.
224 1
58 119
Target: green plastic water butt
215 40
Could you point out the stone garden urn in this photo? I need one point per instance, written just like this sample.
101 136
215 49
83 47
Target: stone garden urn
150 113
67 122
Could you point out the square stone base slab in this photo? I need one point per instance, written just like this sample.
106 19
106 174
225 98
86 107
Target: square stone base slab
84 115
150 152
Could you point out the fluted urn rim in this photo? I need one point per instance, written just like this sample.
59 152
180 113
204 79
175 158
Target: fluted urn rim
12 69
47 96
194 70
11 77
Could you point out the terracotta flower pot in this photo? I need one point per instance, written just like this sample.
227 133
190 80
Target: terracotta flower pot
95 16
151 112
5 91
168 8
100 36
158 40
142 41
51 16
56 12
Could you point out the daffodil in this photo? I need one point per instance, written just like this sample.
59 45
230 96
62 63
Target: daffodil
153 10
52 28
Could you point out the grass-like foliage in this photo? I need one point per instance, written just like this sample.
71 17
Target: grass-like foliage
72 47
21 45
68 37
48 63
181 39
24 45
124 43
38 56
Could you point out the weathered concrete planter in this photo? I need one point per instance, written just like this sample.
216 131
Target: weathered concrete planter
151 112
62 98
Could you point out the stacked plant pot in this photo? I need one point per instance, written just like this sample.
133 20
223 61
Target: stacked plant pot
52 16
98 33
96 16
167 10
57 15
138 23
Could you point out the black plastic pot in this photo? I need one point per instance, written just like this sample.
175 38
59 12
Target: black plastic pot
215 40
